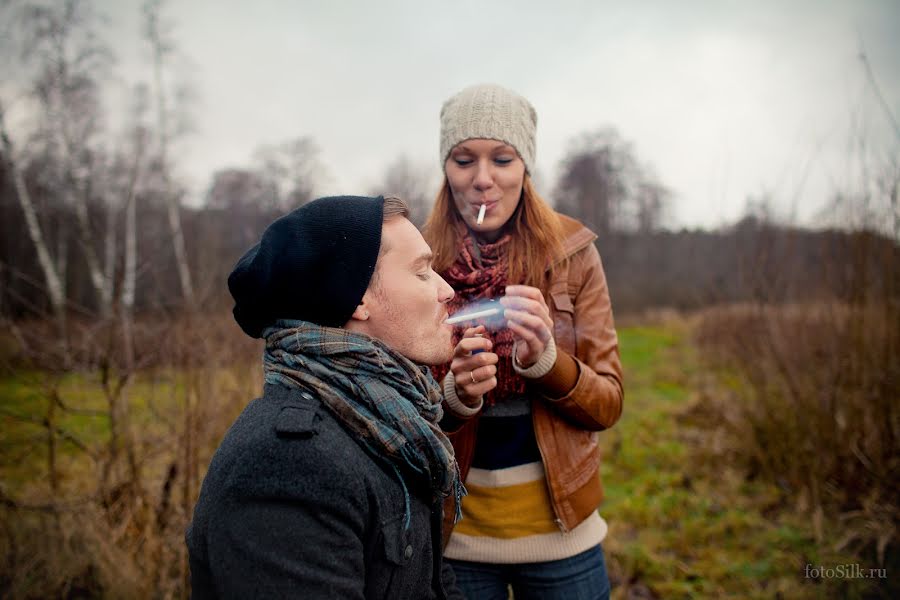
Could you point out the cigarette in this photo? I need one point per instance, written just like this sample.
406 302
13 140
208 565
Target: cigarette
488 312
481 210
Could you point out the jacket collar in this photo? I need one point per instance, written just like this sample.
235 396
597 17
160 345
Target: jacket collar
576 237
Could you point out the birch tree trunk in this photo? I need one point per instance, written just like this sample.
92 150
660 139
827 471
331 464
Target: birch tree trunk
102 284
109 251
55 288
71 63
159 48
129 281
74 191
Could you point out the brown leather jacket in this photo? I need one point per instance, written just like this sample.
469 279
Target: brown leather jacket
588 353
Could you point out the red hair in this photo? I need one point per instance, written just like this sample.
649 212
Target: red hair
536 235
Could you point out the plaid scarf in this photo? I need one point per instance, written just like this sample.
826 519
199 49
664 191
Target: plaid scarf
481 272
385 400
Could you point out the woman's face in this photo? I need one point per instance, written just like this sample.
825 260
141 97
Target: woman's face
485 172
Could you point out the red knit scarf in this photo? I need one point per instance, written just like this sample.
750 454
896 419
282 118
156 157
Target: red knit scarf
481 273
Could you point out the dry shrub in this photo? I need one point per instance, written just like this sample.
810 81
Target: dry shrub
813 407
107 516
66 554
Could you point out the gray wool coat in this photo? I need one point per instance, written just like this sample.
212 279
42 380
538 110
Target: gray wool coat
293 507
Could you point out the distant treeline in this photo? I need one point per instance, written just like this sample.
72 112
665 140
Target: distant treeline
752 260
96 223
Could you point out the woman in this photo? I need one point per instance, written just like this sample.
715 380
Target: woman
523 400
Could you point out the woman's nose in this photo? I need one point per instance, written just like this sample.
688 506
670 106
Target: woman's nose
484 179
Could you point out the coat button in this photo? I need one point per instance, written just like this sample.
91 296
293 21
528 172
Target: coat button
408 552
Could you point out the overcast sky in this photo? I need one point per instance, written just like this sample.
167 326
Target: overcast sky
722 99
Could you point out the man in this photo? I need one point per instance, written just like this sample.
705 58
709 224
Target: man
331 484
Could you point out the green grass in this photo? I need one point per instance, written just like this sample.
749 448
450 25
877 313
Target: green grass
155 402
684 528
680 527
27 398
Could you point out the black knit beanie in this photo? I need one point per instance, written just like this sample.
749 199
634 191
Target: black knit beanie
313 264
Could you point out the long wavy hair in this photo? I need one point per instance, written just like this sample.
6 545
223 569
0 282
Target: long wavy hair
535 245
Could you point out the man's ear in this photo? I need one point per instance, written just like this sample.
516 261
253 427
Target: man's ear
360 313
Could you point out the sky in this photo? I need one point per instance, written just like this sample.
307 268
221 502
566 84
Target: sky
722 100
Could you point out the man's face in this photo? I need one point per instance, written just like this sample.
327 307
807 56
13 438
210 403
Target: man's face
407 300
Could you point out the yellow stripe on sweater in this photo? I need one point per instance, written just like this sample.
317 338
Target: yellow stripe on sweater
507 512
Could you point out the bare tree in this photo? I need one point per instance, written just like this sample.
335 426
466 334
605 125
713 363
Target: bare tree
132 166
158 38
61 65
294 168
650 201
603 184
867 199
70 62
55 285
595 179
412 183
248 201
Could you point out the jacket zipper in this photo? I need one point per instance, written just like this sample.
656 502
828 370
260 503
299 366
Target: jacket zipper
557 520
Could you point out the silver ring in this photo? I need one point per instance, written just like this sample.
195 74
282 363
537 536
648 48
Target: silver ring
472 375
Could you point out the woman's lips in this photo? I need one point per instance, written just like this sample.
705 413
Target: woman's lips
488 205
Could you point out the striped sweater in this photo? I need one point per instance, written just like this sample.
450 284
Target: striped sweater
507 514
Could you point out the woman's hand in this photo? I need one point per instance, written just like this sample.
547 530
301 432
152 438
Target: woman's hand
528 317
475 374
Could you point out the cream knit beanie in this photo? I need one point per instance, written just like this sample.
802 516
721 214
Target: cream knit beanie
491 112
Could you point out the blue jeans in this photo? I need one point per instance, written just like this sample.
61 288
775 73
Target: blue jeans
581 577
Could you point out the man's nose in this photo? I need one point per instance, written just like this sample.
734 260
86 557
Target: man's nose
445 292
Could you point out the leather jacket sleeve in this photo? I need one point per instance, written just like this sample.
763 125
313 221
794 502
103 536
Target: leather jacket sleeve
584 331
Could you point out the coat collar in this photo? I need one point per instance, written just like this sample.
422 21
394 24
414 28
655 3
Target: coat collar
576 237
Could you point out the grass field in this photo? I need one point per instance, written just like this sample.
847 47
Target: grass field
682 525
154 399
